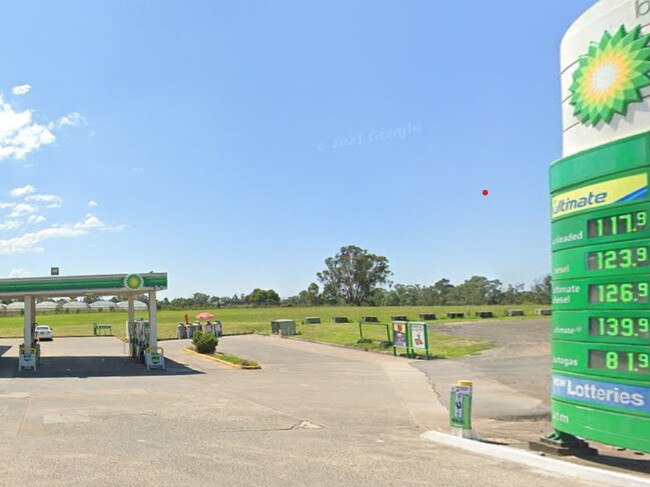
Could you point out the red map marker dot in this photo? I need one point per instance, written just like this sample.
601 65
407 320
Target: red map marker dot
485 192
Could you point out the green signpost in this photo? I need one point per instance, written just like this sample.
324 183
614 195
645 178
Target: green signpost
600 233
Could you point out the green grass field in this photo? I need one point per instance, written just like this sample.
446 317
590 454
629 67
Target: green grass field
246 320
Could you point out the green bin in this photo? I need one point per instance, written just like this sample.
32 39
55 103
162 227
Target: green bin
283 327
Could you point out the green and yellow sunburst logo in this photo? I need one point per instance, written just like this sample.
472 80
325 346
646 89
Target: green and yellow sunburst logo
133 281
610 76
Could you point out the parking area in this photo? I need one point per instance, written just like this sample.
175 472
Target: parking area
314 415
512 380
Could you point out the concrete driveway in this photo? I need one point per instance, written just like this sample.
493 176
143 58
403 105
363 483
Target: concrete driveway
313 416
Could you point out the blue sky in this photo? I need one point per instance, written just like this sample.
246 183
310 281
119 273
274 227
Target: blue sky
238 144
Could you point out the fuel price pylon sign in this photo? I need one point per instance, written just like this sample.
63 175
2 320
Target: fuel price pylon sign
600 226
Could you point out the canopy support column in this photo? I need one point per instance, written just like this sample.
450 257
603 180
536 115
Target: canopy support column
131 308
153 320
30 305
155 357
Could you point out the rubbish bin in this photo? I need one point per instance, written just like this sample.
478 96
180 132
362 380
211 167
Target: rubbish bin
288 328
275 327
199 327
283 327
182 333
191 328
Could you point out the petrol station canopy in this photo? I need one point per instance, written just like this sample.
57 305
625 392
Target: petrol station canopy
130 285
75 286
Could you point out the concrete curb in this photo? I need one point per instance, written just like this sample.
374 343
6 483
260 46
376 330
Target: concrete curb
530 459
224 362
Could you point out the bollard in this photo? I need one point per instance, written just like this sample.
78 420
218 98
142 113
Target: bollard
460 410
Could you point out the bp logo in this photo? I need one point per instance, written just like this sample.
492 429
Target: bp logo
133 281
610 76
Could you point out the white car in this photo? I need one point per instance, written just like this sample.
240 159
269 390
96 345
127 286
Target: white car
44 332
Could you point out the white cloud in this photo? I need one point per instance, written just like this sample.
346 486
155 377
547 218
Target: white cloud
31 204
91 221
19 134
45 198
36 219
21 209
93 203
20 272
22 191
32 241
21 89
114 228
10 225
73 119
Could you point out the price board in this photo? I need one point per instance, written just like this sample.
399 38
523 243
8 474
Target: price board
600 230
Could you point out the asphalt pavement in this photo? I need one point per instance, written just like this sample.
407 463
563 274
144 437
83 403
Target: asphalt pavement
314 415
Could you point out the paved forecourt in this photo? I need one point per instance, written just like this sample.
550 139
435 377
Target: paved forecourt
314 415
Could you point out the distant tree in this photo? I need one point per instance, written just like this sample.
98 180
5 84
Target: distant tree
513 294
352 275
200 300
263 297
312 294
380 297
441 292
407 294
540 291
477 290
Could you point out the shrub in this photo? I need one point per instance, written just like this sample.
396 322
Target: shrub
205 342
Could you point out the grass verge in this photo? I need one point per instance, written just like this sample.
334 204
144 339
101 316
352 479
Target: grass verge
233 359
226 359
257 320
441 345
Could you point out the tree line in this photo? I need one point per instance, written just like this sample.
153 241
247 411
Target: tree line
357 277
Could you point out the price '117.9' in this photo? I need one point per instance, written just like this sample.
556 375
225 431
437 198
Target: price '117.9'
622 224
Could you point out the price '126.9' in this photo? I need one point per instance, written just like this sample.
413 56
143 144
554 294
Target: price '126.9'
628 292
